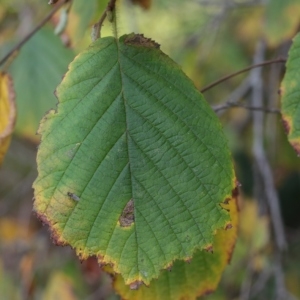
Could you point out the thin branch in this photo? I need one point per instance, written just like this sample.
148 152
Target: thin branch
234 97
249 107
97 26
37 28
265 63
260 157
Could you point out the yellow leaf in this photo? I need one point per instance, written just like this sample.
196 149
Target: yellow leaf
7 113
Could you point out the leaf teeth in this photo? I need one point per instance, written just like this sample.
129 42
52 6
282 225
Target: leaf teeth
188 260
209 248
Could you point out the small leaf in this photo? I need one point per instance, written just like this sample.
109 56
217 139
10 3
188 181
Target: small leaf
188 280
7 113
130 126
290 92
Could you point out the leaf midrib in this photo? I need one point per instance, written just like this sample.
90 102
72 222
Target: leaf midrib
128 152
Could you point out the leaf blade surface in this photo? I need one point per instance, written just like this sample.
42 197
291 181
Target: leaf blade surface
131 126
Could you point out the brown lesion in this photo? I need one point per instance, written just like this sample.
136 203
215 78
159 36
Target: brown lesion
127 216
209 248
228 226
286 126
296 146
140 40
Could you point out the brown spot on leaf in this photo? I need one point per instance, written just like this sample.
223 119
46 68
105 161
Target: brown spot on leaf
286 126
226 201
135 285
127 216
227 209
140 40
209 248
279 92
228 226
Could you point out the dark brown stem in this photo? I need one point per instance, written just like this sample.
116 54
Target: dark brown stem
110 7
37 28
265 63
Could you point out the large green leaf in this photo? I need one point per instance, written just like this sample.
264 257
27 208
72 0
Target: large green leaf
36 71
290 91
134 165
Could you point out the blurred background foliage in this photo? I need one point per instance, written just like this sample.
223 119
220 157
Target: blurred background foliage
209 39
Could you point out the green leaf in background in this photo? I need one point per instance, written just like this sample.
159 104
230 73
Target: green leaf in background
36 71
80 18
134 165
290 91
281 21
